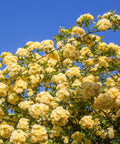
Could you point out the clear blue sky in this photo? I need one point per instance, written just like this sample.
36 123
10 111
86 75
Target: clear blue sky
37 20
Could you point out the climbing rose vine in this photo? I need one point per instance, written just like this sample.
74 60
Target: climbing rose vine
63 93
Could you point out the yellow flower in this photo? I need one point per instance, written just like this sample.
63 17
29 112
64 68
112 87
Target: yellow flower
103 61
23 124
5 130
66 139
114 47
85 51
21 52
103 102
37 110
86 122
56 132
35 68
73 71
104 24
3 89
63 86
10 59
103 46
89 89
77 136
13 69
77 82
110 82
44 97
117 102
38 134
113 92
50 70
69 51
62 94
29 43
106 15
13 98
20 85
60 116
47 45
89 62
87 141
25 105
74 142
77 30
85 17
67 62
59 78
110 132
18 137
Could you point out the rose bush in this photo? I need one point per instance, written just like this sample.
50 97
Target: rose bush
68 94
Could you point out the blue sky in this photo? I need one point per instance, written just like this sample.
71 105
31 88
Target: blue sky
37 20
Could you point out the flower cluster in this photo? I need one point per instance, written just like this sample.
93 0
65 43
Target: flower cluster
69 51
23 124
73 72
87 122
103 102
37 110
85 17
38 134
77 30
3 89
59 78
60 116
77 137
44 97
18 137
5 130
104 24
90 89
62 94
56 131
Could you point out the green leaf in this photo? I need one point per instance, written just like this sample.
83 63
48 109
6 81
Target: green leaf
19 115
50 141
12 114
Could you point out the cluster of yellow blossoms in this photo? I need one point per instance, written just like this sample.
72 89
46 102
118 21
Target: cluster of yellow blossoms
77 137
87 122
104 101
3 89
23 124
11 61
37 110
69 51
38 134
60 116
18 136
73 72
104 24
77 30
84 17
90 87
70 94
5 130
59 78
